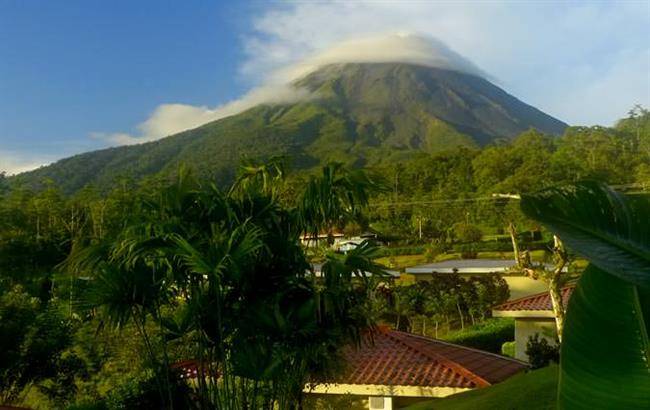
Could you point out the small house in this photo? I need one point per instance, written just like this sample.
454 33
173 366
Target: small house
311 241
317 269
340 241
533 315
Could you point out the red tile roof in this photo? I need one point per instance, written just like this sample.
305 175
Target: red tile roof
539 301
403 359
188 369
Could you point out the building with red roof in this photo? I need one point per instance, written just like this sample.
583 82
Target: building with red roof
533 315
393 368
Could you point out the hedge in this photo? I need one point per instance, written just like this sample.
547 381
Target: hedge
497 246
405 250
489 335
509 349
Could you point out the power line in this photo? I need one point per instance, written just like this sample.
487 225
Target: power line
436 201
494 197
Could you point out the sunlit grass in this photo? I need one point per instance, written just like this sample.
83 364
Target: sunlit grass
536 390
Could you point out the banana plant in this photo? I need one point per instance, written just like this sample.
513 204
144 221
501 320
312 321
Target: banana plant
605 353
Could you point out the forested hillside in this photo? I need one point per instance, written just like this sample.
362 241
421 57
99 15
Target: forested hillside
358 114
432 191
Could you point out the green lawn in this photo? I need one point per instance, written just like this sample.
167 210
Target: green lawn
401 261
535 390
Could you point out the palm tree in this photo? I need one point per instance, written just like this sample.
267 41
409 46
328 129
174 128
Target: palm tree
335 197
230 268
262 177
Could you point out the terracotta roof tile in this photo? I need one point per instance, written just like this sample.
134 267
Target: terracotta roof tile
403 359
189 369
539 301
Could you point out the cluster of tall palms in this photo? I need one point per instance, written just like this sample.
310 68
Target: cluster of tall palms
221 276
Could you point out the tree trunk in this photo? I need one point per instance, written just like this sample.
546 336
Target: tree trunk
515 246
436 329
554 286
396 184
424 326
558 308
462 319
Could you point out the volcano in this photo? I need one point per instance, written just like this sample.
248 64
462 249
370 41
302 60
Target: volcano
361 114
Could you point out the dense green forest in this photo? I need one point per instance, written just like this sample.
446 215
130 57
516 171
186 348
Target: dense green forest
103 289
442 189
101 297
447 183
433 192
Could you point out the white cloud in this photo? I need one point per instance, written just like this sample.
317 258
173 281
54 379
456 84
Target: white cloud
168 119
14 162
398 47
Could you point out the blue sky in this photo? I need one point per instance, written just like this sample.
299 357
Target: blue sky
82 75
69 68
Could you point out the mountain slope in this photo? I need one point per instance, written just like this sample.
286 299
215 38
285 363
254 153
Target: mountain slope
357 113
468 103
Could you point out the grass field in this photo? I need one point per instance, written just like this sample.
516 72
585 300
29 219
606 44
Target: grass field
535 390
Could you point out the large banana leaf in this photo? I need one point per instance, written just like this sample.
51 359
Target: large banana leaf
605 352
610 230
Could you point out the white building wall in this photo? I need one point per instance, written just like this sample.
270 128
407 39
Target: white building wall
524 328
380 403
